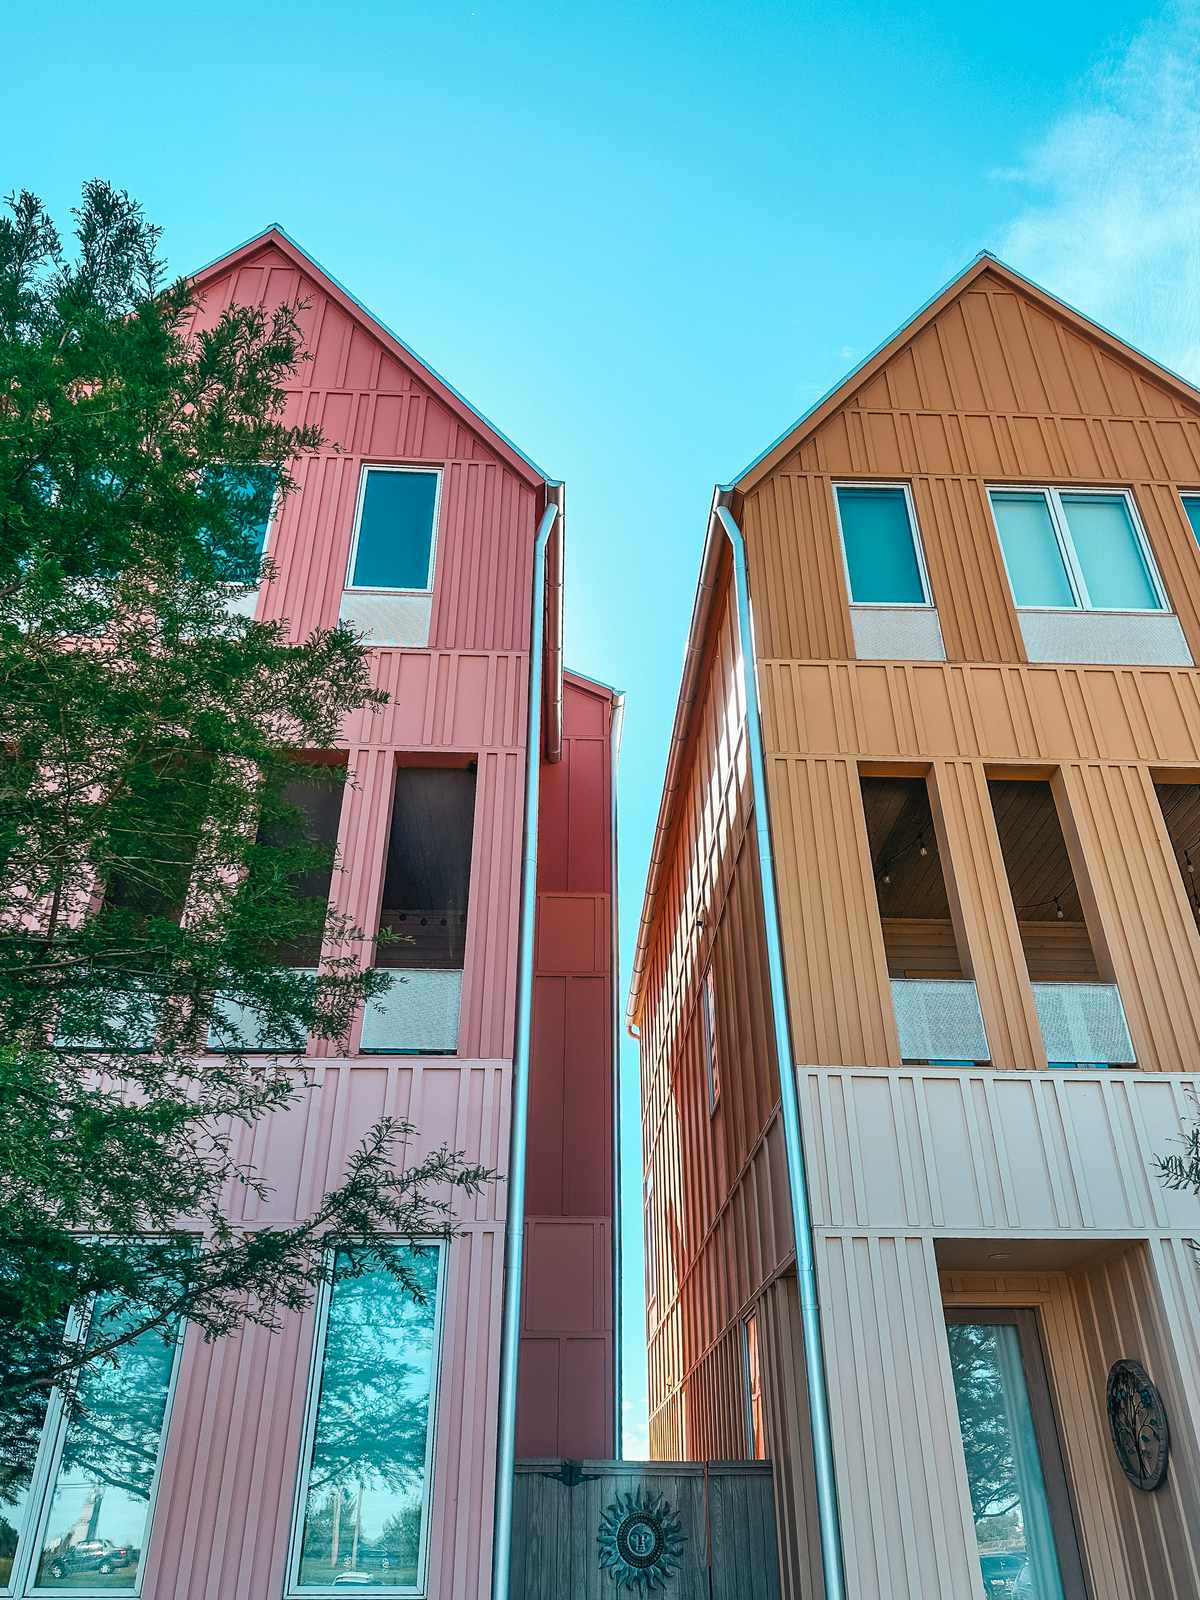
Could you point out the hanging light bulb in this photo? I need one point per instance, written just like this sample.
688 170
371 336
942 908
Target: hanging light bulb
1058 910
924 848
1191 865
887 877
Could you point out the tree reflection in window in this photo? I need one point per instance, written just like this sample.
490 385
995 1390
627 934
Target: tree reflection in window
366 1493
96 1526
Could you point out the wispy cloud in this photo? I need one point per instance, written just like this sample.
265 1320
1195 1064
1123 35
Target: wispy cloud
635 1431
1111 218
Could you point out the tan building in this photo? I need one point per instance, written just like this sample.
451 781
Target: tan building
931 813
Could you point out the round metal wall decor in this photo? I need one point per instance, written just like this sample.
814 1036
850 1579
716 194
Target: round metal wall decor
641 1541
1137 1420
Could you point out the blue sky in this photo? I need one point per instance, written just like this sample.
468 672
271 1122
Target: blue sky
642 238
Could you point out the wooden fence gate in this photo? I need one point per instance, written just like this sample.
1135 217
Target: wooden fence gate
665 1530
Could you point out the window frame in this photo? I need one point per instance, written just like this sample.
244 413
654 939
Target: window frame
748 1385
1052 494
649 1242
293 1589
387 466
31 1533
914 531
268 531
708 1024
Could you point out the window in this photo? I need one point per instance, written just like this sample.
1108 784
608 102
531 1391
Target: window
884 566
651 1252
245 497
1077 550
424 910
1191 506
364 1494
752 1371
712 1061
394 530
80 1519
1020 1499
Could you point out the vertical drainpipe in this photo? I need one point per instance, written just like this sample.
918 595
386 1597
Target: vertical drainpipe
514 1248
806 1278
618 723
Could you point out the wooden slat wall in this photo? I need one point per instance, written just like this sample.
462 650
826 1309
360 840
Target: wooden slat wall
995 389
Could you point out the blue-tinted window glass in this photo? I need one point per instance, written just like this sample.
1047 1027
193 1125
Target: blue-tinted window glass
881 555
1031 550
1191 505
246 496
395 534
1109 553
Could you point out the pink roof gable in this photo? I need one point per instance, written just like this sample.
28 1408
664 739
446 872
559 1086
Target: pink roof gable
274 248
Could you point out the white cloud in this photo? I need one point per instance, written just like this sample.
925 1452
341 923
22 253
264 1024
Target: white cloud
635 1431
1112 219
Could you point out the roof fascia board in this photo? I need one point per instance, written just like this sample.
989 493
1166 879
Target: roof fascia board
866 369
516 458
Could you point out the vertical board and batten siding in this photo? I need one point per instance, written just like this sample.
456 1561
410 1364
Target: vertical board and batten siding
232 1453
994 389
720 1224
565 1394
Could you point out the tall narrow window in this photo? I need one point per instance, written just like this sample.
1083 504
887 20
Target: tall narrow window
1019 1495
752 1368
712 1059
364 1500
1078 549
650 1243
301 844
393 543
1191 506
424 913
879 540
87 1526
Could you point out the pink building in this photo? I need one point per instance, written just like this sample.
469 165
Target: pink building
443 543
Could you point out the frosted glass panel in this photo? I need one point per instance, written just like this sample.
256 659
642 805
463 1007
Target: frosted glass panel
1017 1553
1109 553
880 555
1031 550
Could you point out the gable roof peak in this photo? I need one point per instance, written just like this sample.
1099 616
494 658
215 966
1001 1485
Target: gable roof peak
983 261
275 233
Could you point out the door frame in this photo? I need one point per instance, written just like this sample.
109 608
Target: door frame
1047 1428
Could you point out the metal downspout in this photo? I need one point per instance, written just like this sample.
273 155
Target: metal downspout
618 725
514 1248
806 1280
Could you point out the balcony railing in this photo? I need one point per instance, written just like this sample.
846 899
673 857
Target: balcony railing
938 1019
1083 1024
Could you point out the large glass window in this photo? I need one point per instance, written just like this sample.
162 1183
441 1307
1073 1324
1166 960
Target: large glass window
712 1059
78 1520
752 1365
879 538
365 1491
246 498
1019 1496
394 530
1191 506
1075 550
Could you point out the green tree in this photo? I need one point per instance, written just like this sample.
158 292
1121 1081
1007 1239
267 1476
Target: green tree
150 857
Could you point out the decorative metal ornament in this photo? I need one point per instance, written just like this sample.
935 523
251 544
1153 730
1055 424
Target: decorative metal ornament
1137 1420
641 1541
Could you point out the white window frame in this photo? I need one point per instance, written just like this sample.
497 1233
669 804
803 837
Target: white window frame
708 1026
1066 545
914 532
294 1590
31 1532
377 466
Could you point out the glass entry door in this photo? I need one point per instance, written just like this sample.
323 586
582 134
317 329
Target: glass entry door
1019 1495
